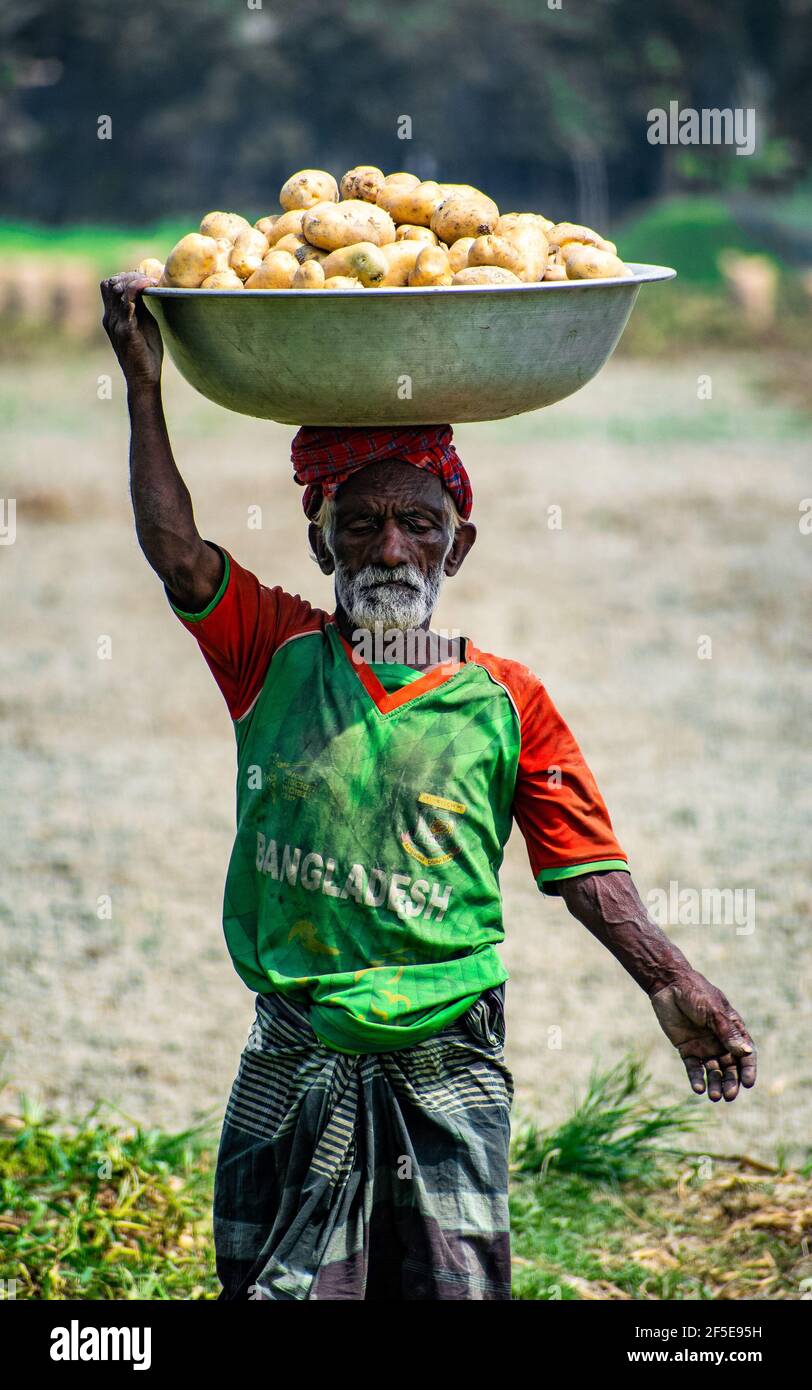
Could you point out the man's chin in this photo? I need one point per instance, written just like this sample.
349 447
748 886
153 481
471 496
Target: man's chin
386 621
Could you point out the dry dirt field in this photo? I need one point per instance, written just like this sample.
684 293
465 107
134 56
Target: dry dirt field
680 521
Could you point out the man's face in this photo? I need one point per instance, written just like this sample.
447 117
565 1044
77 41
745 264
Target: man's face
392 546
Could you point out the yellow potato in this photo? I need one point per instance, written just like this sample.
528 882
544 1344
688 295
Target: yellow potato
248 253
343 224
400 257
563 232
291 243
405 180
413 205
485 275
342 282
497 250
363 261
465 188
191 261
224 249
309 276
364 182
275 273
458 252
222 280
590 263
408 232
266 224
223 224
508 220
306 252
307 188
555 270
432 267
459 216
532 245
150 267
288 222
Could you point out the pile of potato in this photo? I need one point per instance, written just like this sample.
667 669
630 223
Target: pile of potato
376 230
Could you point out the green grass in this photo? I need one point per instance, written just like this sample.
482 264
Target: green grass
614 1134
608 1205
100 1210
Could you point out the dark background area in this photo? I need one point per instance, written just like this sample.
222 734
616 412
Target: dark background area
216 103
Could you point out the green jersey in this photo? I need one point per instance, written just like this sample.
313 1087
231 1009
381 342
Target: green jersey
372 817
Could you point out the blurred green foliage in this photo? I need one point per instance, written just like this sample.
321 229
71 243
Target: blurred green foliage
108 248
687 233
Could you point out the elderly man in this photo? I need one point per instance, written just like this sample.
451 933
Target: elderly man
364 1153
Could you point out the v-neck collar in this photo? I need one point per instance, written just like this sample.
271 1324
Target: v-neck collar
387 700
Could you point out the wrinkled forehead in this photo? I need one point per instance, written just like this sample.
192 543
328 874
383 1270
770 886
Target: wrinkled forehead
386 482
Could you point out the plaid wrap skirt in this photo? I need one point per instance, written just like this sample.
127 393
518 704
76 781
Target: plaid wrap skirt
379 1176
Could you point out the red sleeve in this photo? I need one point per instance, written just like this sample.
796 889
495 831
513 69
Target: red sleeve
556 803
242 627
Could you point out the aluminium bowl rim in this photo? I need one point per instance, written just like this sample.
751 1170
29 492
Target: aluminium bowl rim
643 273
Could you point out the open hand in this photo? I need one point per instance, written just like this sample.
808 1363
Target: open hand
708 1034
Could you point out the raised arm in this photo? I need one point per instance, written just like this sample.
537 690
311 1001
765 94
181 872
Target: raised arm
694 1015
191 569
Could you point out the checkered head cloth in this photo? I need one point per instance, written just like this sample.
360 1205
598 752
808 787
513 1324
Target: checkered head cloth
324 458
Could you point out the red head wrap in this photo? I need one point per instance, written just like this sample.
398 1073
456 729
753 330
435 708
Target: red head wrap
324 458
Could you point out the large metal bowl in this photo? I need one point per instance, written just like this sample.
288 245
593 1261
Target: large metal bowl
396 356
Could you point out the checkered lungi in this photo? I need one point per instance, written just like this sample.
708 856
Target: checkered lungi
379 1176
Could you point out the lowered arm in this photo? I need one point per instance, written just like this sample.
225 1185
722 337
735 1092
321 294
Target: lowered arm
695 1016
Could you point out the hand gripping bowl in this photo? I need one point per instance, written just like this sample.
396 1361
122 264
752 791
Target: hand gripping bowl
396 356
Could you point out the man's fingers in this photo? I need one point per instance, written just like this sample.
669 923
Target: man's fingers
730 1030
696 1074
730 1077
741 1050
714 1079
123 307
108 294
738 1044
133 287
710 1036
726 1074
748 1067
124 289
130 290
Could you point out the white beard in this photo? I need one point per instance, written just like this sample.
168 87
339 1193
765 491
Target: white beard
374 595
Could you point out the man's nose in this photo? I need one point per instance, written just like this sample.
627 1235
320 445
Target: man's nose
393 547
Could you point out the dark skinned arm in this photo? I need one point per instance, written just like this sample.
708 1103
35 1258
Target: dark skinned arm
695 1016
190 567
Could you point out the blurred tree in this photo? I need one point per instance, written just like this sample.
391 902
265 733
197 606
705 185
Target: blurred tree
215 103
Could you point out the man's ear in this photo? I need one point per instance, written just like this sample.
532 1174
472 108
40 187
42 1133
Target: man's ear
320 548
464 538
